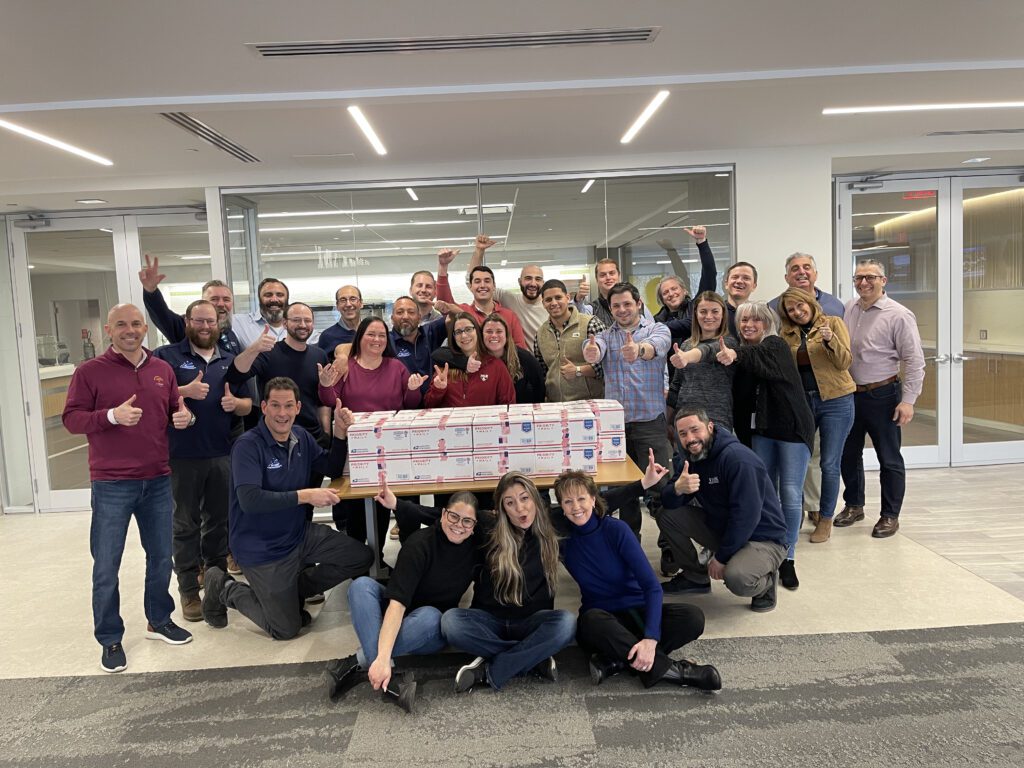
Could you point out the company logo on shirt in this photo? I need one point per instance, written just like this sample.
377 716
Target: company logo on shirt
403 353
483 377
712 481
274 464
159 381
188 365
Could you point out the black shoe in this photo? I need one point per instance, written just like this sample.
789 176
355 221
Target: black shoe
680 585
668 564
214 611
305 617
601 670
113 658
471 674
852 513
787 575
546 670
401 694
342 676
766 600
703 676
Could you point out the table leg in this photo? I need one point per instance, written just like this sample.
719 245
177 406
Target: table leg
371 537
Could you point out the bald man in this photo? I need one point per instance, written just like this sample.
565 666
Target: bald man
526 302
123 401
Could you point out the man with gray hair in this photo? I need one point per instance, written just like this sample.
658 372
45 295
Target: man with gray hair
883 336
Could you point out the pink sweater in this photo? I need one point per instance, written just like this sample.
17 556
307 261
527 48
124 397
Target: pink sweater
383 389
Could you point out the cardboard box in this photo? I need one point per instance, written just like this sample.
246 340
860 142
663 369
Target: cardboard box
365 470
519 432
366 438
492 464
610 416
564 427
437 467
612 446
445 433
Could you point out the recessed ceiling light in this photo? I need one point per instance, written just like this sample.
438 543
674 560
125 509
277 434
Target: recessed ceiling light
922 107
722 175
193 258
367 129
587 186
641 121
90 201
29 133
975 160
106 229
31 266
412 193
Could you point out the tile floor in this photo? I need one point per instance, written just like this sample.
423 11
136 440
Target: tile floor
958 560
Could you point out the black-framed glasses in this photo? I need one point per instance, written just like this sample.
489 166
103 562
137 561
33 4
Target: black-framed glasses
463 331
202 321
469 523
866 278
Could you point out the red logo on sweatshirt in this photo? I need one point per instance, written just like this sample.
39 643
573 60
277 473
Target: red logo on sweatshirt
158 380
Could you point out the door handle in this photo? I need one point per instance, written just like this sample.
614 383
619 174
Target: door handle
938 358
959 358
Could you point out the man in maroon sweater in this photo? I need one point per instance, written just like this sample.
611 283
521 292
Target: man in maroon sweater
123 401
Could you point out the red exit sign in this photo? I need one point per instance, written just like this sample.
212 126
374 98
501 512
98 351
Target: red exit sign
920 194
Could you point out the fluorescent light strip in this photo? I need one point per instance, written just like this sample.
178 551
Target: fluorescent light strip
701 210
922 107
346 227
641 121
29 133
587 186
412 193
445 241
192 258
975 160
359 211
367 129
658 229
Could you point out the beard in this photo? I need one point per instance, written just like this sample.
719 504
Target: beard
272 313
530 291
301 334
705 449
198 341
224 321
406 328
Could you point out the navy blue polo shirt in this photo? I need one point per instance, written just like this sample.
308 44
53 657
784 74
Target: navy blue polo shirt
210 436
416 355
258 459
332 337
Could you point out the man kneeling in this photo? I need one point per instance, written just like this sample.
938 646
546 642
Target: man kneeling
286 559
739 518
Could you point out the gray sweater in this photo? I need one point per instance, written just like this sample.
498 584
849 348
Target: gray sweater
707 384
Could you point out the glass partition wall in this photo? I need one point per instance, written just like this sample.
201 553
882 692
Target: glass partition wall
319 239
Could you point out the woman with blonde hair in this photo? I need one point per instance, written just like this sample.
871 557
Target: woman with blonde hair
512 626
820 345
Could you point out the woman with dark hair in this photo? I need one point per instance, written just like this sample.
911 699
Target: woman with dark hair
483 378
700 381
434 569
623 620
526 373
376 381
772 416
512 626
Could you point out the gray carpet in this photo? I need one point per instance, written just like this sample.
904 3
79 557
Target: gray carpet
932 697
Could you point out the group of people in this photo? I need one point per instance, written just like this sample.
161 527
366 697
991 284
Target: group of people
219 442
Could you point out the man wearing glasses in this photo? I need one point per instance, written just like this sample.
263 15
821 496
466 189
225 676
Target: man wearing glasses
883 336
200 457
349 301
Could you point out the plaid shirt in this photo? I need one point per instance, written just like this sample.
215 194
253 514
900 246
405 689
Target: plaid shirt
639 385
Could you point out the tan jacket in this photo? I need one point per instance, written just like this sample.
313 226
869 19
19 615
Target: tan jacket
569 344
830 362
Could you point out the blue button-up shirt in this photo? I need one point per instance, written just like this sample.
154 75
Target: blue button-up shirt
639 385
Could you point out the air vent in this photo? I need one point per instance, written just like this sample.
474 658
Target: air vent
466 42
978 132
210 136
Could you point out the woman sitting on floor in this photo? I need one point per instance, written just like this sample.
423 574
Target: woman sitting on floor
512 626
433 571
623 620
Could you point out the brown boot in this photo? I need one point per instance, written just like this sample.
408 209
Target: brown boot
822 530
191 607
813 516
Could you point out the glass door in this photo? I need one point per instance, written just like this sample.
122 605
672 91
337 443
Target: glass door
905 226
67 274
987 356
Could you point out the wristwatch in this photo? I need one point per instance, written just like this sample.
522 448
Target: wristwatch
579 373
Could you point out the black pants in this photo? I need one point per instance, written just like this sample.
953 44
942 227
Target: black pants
200 489
612 635
872 416
350 517
640 436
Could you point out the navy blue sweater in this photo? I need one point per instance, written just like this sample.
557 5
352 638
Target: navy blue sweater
331 337
606 560
737 495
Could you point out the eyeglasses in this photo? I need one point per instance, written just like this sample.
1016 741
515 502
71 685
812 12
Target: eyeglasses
201 321
463 331
468 523
866 278
348 299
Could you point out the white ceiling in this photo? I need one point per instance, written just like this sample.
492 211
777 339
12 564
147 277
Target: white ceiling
742 75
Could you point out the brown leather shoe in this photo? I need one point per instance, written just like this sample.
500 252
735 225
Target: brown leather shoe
813 516
191 607
885 527
822 531
851 514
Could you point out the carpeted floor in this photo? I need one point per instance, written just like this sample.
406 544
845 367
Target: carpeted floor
931 697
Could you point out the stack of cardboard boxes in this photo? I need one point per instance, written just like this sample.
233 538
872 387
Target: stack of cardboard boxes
483 443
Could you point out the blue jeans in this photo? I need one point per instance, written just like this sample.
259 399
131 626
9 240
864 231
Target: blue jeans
113 504
873 413
512 646
787 466
833 418
420 633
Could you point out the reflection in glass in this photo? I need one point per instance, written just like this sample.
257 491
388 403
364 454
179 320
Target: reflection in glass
17 479
184 254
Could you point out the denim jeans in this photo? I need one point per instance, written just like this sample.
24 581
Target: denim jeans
512 646
113 504
787 465
833 419
873 413
419 635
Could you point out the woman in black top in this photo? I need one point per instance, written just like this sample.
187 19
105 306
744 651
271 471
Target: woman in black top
512 626
434 568
771 414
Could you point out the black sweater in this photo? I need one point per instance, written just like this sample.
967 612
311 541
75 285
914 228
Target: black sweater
431 570
535 587
767 385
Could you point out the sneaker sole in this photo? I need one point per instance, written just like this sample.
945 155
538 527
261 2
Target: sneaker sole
766 609
706 591
113 670
596 676
158 636
465 678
